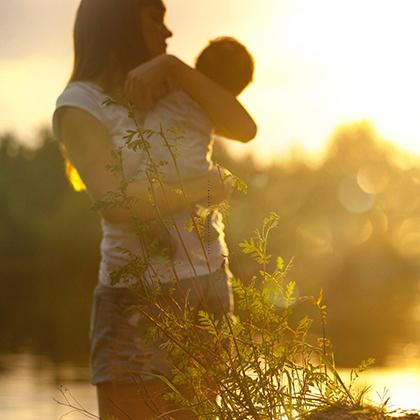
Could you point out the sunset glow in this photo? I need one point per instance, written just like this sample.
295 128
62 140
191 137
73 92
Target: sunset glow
299 250
318 65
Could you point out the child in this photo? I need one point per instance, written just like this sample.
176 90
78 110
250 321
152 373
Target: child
183 150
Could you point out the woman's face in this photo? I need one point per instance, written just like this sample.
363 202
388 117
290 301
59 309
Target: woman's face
155 32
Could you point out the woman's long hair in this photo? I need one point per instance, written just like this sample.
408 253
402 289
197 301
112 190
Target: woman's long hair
108 39
108 43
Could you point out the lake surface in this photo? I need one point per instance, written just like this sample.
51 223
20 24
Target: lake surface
29 384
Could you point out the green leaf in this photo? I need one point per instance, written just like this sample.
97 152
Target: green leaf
290 290
280 263
178 191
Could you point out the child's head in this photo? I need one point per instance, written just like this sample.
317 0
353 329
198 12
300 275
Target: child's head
228 63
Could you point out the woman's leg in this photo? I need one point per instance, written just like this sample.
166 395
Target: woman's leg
114 337
137 402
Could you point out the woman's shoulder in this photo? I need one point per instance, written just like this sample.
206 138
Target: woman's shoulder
86 96
81 92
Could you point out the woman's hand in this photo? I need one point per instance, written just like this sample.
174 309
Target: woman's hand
147 83
219 184
209 189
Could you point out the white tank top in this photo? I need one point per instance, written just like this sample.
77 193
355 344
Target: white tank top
190 258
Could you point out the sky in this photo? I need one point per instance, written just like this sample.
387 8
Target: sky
319 64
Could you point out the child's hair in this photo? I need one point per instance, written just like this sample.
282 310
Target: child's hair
227 62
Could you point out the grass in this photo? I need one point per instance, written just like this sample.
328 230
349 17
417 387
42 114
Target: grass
260 363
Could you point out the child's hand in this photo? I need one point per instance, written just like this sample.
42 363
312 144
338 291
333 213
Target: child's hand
147 83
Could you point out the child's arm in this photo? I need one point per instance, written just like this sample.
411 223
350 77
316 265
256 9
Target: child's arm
144 87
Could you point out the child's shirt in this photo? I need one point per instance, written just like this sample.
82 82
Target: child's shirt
180 146
183 149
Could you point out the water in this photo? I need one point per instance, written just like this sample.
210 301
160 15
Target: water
401 385
29 384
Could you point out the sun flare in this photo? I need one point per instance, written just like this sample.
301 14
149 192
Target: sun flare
337 62
319 64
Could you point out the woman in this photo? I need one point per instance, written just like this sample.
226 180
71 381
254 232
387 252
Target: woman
120 48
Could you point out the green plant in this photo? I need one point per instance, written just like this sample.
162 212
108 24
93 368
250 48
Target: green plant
259 365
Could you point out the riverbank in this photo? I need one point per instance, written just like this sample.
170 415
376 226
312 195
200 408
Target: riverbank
29 384
342 414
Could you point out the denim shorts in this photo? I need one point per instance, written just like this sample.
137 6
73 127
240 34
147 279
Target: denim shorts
120 352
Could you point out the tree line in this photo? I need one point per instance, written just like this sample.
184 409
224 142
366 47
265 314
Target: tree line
351 225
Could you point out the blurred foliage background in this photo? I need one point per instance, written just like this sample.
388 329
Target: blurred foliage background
351 223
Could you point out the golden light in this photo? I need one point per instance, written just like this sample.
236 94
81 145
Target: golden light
380 221
372 178
363 55
327 62
352 197
400 385
74 178
356 231
28 90
317 237
407 237
319 64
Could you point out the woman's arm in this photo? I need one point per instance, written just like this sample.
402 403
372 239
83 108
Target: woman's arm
145 84
89 148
